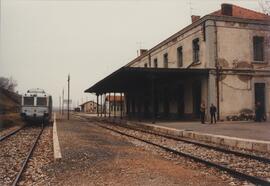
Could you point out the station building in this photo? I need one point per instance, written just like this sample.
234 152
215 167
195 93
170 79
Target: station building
89 107
221 58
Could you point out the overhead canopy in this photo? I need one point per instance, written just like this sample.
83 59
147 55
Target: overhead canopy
130 78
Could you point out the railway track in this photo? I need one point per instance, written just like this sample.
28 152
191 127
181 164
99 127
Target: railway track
11 133
16 157
208 146
226 160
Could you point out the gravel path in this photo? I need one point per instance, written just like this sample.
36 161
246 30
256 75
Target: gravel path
95 156
13 152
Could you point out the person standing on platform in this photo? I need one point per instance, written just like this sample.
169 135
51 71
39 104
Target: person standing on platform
213 110
202 112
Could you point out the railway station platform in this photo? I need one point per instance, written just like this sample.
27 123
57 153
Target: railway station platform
239 129
252 136
246 135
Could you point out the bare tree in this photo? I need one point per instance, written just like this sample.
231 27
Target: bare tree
8 83
265 6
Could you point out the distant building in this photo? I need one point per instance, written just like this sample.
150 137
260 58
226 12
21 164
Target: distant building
89 107
220 58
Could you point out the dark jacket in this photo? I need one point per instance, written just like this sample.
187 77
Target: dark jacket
213 110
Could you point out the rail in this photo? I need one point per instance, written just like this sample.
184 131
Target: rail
234 173
11 133
17 179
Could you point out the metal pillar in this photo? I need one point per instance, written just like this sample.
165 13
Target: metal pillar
59 104
63 102
114 105
153 100
101 106
109 105
68 94
105 108
97 106
121 107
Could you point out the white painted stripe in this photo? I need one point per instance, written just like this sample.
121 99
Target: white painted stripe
56 147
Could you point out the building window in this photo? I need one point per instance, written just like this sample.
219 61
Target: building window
145 65
155 63
196 50
258 49
165 60
180 56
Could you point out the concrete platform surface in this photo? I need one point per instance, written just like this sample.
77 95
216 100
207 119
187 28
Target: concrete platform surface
56 147
247 130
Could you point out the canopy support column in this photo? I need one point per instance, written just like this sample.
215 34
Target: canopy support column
97 106
114 106
109 105
153 100
127 105
101 106
121 106
105 106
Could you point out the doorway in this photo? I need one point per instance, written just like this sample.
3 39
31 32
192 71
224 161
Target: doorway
260 95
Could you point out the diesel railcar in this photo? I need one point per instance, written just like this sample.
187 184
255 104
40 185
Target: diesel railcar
36 105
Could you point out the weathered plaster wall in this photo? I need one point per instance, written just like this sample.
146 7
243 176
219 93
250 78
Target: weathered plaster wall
235 44
185 41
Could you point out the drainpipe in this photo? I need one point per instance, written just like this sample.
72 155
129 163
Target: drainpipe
217 70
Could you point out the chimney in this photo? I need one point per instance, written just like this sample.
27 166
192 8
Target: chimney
227 9
195 18
143 51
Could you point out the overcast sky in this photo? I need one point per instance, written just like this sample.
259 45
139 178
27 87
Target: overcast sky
44 40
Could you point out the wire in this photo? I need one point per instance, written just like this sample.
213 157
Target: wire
235 88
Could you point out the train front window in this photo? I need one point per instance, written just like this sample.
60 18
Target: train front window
28 101
41 101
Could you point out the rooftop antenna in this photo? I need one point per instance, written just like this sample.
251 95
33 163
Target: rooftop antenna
265 6
140 47
190 8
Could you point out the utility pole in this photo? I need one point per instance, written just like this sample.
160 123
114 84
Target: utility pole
63 102
59 104
68 94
